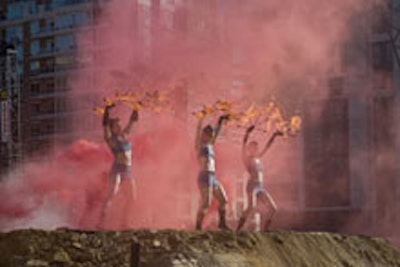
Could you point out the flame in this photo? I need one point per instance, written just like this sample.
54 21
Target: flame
208 109
223 106
295 124
98 110
153 101
265 118
199 115
108 101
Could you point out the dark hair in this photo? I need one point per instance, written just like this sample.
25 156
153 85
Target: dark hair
208 129
113 121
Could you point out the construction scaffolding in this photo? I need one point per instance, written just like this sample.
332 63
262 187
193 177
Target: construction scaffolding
10 107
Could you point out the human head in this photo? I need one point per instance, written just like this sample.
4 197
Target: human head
208 133
252 148
115 126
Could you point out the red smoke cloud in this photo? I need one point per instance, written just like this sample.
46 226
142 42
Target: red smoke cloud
280 48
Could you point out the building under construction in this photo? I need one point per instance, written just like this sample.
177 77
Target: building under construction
42 34
10 109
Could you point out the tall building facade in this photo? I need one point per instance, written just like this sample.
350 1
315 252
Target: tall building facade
350 179
43 33
10 109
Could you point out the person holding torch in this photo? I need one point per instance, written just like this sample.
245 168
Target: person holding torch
255 189
117 140
208 184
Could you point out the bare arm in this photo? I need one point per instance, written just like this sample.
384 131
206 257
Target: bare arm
269 143
106 124
133 118
198 134
219 126
245 138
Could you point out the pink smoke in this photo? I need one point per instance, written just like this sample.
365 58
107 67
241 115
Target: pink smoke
276 48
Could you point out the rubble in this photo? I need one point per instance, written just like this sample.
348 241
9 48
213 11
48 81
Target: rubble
170 248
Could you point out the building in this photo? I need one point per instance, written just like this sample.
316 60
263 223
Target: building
349 179
43 34
346 175
10 102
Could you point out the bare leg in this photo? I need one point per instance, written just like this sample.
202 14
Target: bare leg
132 189
129 187
269 202
246 212
220 195
205 201
113 187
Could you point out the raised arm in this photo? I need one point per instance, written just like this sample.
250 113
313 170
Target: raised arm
133 118
106 123
219 126
245 138
270 141
198 134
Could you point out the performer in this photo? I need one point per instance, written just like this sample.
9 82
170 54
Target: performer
117 141
255 189
207 181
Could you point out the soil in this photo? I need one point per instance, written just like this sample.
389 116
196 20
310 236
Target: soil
167 248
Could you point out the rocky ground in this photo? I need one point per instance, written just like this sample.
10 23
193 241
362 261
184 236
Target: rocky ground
167 248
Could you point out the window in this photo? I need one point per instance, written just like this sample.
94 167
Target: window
64 21
62 105
14 35
382 56
47 65
35 88
34 48
50 86
46 25
81 18
326 154
382 65
34 66
47 45
34 27
43 107
64 62
37 147
35 129
20 54
58 3
380 21
64 42
61 83
48 127
15 10
43 128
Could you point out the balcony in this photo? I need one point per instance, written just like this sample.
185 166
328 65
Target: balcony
44 11
43 94
52 52
37 116
51 71
51 31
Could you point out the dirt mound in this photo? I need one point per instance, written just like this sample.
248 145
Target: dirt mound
167 248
